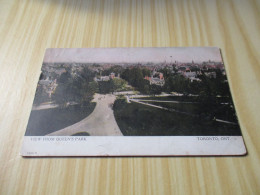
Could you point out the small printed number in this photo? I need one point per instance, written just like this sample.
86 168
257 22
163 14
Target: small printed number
30 153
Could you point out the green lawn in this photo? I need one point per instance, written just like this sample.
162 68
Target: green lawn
219 111
140 120
43 122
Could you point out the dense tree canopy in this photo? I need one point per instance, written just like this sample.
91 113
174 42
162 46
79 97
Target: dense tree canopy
135 77
78 87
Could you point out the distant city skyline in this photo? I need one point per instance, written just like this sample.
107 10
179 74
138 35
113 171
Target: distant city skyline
132 55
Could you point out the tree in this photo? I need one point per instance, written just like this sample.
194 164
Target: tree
79 88
146 72
105 86
126 74
118 84
65 77
177 83
40 95
60 96
166 73
86 75
155 89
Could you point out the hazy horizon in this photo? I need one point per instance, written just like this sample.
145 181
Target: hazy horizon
132 55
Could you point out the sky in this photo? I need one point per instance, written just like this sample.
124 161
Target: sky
132 55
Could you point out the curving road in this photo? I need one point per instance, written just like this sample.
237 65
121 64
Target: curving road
101 122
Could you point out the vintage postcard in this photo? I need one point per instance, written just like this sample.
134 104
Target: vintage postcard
133 102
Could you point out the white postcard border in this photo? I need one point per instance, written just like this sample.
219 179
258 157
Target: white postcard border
133 146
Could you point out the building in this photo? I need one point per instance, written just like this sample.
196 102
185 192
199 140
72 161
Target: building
155 80
112 75
102 78
211 74
49 86
161 76
106 78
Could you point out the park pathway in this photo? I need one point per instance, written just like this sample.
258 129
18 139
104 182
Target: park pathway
160 107
101 122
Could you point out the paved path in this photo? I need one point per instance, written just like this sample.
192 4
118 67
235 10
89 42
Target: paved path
174 102
159 95
163 108
228 122
45 106
50 105
101 122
